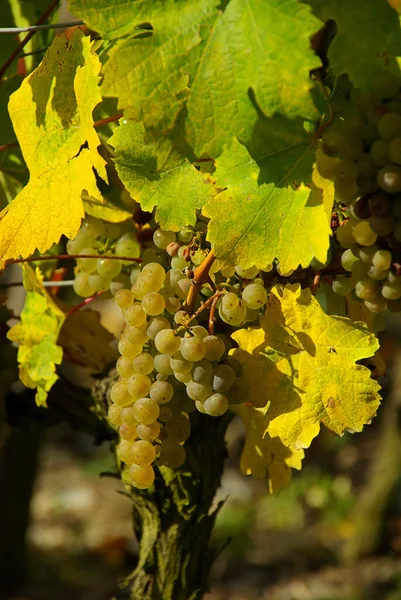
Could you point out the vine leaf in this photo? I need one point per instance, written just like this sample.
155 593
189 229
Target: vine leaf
52 118
253 224
262 456
86 342
208 60
36 335
360 54
311 378
156 175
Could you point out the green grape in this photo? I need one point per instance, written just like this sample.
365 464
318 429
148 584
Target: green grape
127 416
156 325
161 392
178 263
332 143
138 386
345 236
239 392
124 451
389 178
254 296
167 342
364 234
228 272
352 149
80 242
143 364
183 251
182 377
348 259
127 245
366 165
136 335
192 349
377 274
199 391
249 273
199 407
179 364
394 278
182 286
367 185
81 285
120 395
125 367
121 282
156 270
112 230
223 378
391 291
185 234
143 453
216 405
141 477
128 433
114 415
325 164
146 411
108 268
153 304
345 171
166 414
394 150
173 305
202 371
235 317
127 349
380 204
148 432
389 126
179 429
161 376
172 455
377 305
135 315
230 301
369 134
162 239
383 226
366 289
198 257
181 317
342 285
98 283
378 153
162 364
382 259
215 347
367 252
172 278
92 227
199 331
150 255
345 191
133 277
87 265
235 365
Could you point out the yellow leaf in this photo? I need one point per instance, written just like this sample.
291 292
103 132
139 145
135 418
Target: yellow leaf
263 456
310 378
36 336
52 118
86 342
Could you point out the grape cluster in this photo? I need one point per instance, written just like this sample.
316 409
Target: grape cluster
361 152
170 365
96 237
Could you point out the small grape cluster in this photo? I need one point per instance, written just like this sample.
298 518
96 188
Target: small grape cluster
96 237
361 152
170 365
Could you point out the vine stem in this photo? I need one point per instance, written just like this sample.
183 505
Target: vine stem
16 30
52 6
83 303
209 303
201 276
15 261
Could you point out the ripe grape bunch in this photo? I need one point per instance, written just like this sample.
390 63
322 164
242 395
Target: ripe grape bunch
170 364
361 152
96 237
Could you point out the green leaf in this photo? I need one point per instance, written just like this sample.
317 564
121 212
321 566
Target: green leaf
213 62
156 175
36 335
368 36
264 457
308 360
253 224
52 117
